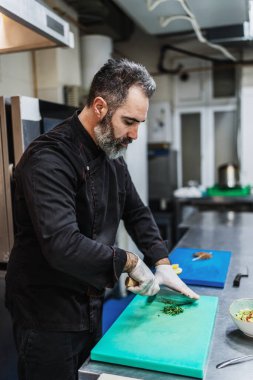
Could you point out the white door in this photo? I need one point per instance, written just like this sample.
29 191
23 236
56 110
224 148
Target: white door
205 138
189 140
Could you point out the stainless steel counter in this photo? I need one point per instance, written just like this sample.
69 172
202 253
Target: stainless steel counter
210 230
218 204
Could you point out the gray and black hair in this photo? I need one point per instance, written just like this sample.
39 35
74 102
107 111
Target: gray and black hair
114 79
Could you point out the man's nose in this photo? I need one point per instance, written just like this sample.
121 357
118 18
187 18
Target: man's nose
133 133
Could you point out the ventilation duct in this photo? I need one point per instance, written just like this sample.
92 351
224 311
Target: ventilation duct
28 24
228 35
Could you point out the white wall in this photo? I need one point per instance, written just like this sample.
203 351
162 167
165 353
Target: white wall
145 49
140 48
58 66
163 88
55 68
16 74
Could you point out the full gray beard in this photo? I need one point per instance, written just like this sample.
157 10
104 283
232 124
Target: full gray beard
107 142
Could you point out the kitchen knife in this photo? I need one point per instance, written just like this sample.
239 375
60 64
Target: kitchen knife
170 295
164 293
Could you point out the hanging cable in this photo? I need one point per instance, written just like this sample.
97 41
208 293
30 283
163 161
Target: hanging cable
164 21
199 34
152 4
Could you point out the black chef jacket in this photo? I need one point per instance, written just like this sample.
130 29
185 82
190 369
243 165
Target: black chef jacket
69 199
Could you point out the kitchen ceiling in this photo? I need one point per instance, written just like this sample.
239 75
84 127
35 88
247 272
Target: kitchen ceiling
218 21
222 28
149 14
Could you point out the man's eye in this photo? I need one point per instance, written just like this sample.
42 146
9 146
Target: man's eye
129 122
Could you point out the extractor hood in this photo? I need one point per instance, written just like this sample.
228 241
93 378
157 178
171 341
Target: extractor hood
28 24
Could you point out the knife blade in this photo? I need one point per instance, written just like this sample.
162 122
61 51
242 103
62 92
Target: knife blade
169 294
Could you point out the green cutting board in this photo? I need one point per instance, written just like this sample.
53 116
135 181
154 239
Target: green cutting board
145 337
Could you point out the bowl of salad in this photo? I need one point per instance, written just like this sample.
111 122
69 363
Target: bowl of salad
241 311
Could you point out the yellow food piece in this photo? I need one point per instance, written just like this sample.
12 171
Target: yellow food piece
177 268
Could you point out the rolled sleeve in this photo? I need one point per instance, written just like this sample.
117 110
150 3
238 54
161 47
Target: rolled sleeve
119 262
156 252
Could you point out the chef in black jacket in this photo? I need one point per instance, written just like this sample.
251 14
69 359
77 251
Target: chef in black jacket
72 188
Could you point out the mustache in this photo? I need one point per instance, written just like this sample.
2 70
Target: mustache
125 140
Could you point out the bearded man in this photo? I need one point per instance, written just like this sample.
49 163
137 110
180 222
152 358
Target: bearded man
72 188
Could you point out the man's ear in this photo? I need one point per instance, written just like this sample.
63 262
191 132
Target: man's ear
100 107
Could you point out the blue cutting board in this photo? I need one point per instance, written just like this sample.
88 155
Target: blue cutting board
211 272
144 337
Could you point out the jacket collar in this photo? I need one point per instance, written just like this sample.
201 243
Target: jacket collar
91 148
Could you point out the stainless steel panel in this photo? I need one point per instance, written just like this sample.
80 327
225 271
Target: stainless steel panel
18 140
6 222
191 148
162 173
225 139
26 121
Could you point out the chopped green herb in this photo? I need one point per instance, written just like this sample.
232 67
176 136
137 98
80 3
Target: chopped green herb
172 310
171 307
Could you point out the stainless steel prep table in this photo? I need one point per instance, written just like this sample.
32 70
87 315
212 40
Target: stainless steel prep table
210 230
218 204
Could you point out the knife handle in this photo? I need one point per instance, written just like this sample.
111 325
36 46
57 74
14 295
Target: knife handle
131 282
237 279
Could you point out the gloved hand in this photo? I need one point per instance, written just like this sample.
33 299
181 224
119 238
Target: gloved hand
165 275
147 284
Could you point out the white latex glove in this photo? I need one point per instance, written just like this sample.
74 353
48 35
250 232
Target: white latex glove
165 275
147 283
